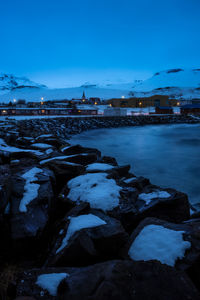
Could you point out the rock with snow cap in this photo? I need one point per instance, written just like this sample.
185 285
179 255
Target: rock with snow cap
95 188
137 182
64 171
78 149
49 139
111 280
176 245
86 238
42 284
83 158
32 203
166 204
127 280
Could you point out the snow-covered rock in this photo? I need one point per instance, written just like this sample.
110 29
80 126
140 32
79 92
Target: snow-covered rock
96 189
110 280
51 281
156 242
99 167
86 238
78 223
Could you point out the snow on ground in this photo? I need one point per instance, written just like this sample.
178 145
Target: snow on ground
148 197
35 94
30 188
156 242
5 147
41 146
50 282
96 189
78 223
99 166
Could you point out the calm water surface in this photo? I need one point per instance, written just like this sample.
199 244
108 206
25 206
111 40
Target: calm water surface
169 155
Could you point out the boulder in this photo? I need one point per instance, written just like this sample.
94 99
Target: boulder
78 149
32 203
50 139
111 280
4 157
109 160
83 159
64 171
128 281
97 237
27 284
137 182
177 245
5 185
165 204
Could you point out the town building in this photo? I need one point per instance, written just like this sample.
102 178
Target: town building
156 100
164 110
190 109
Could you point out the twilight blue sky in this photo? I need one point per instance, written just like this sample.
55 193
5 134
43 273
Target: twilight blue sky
62 43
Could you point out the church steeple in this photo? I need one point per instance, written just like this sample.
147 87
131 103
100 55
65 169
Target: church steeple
83 97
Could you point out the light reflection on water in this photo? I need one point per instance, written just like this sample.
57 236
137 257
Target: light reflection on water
169 155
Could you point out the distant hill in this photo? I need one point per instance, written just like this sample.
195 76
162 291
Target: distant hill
176 83
9 82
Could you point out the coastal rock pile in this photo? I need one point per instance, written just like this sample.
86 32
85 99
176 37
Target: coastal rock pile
65 127
76 225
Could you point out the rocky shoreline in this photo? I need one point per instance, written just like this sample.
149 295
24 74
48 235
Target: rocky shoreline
76 225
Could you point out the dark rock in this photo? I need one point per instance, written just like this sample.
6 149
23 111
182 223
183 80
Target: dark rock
88 245
175 209
126 280
28 222
5 157
83 159
191 234
115 280
78 149
5 185
64 171
139 182
109 160
51 140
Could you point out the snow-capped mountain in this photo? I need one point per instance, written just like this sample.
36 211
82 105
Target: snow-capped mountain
174 82
61 94
10 82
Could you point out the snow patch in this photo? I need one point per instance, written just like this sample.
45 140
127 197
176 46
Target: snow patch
96 189
44 161
41 146
5 147
30 188
50 282
49 151
78 223
156 242
99 166
150 196
130 179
